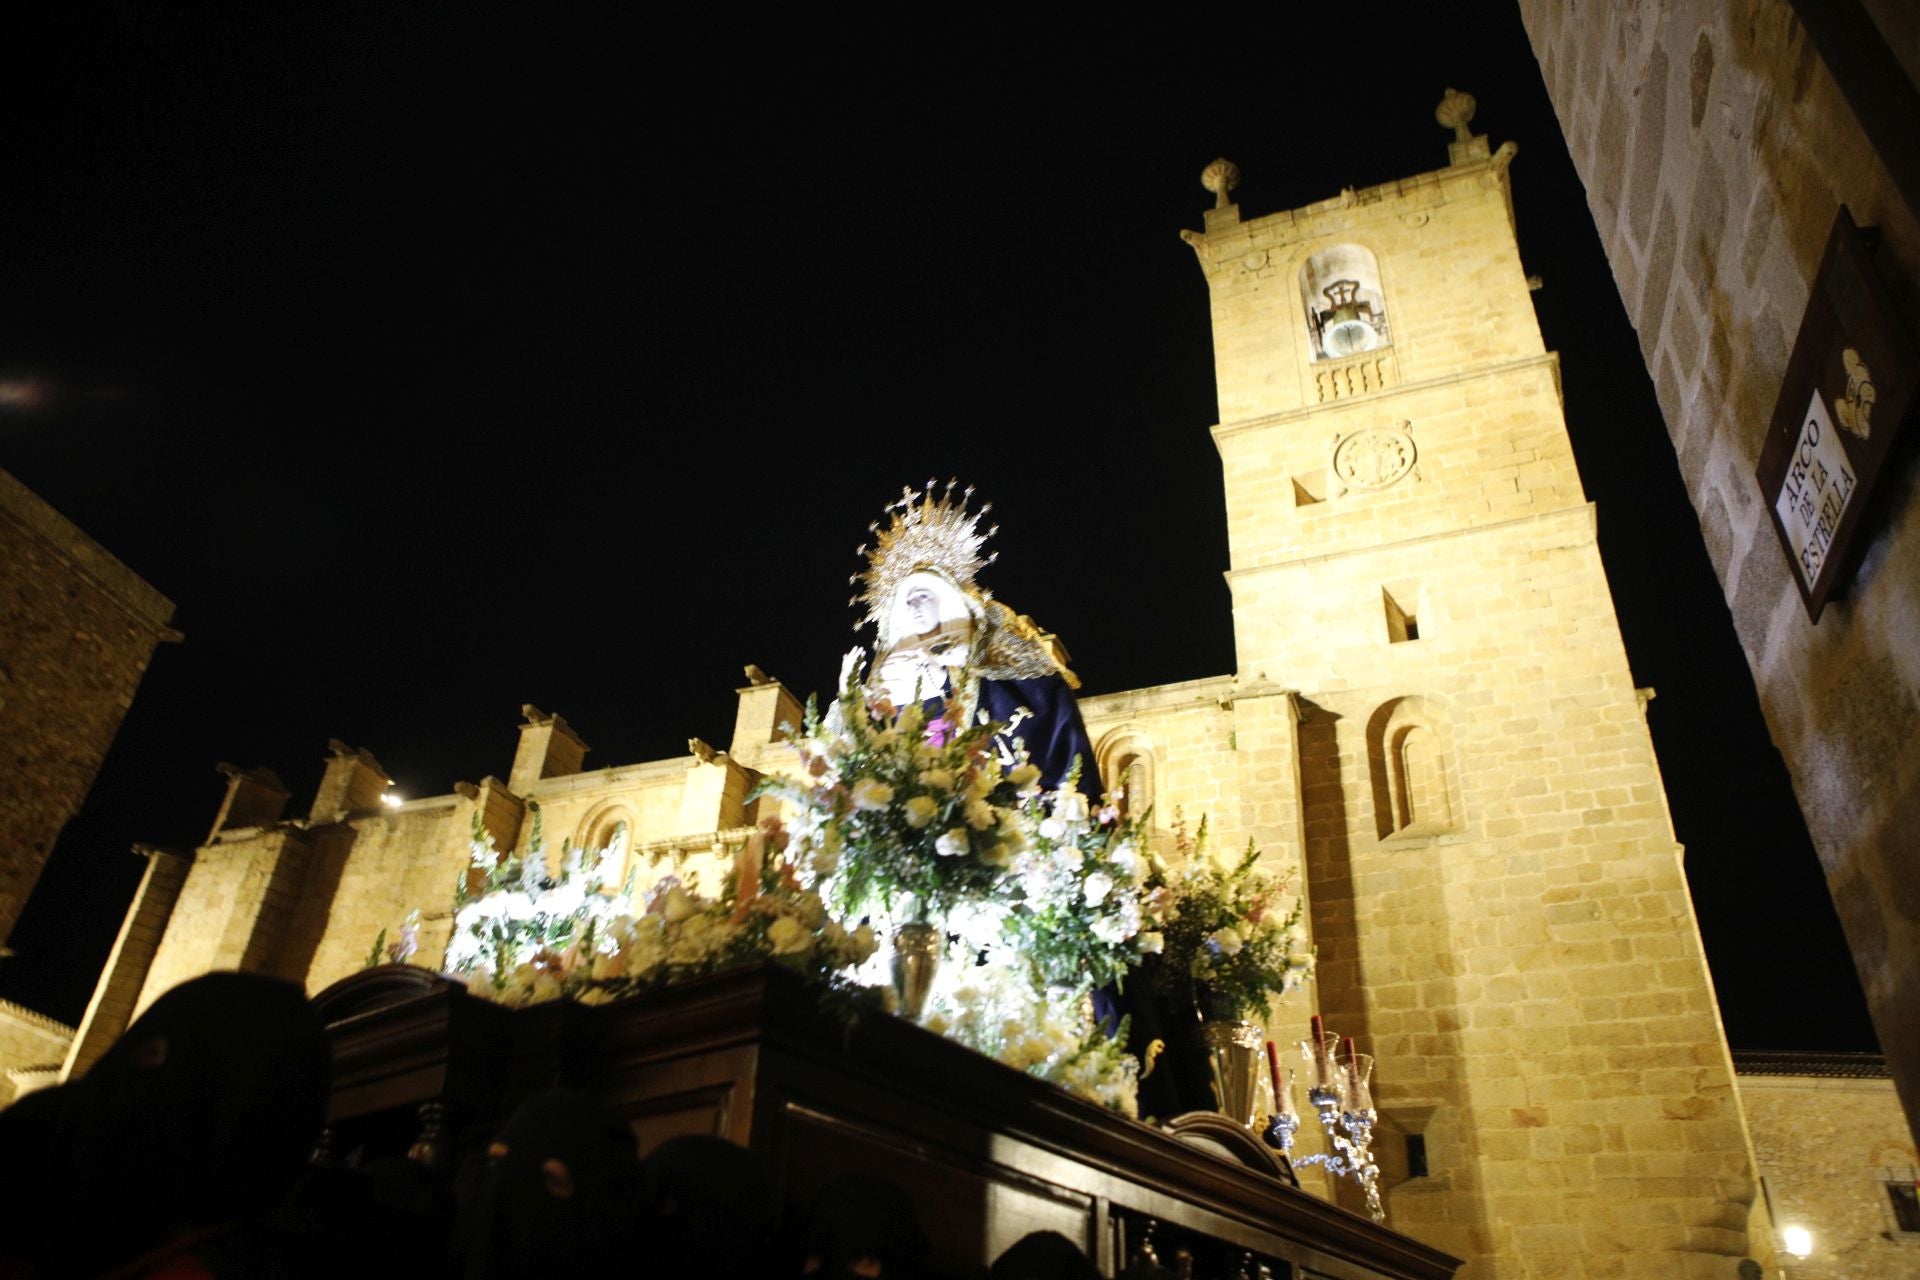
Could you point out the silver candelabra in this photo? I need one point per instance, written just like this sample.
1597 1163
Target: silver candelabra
1338 1089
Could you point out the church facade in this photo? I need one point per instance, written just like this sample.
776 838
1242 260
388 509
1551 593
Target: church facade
1433 715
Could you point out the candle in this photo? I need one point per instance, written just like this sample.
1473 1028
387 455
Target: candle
1282 1103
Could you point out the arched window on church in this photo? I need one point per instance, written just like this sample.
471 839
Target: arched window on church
1127 771
608 829
1413 786
1346 309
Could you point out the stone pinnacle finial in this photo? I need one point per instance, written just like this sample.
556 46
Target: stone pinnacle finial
1220 177
1455 112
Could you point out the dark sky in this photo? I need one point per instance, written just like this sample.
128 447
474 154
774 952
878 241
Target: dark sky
436 363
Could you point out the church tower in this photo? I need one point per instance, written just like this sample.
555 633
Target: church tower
1496 894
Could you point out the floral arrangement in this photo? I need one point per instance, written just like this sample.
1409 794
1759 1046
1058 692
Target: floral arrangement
1075 916
524 937
929 807
509 914
1233 926
994 1009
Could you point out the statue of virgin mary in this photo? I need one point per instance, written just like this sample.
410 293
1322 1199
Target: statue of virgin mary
944 641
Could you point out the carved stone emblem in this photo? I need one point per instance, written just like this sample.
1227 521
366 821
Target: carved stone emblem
1374 457
1855 411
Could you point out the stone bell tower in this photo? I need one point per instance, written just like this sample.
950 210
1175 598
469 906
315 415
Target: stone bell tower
1497 897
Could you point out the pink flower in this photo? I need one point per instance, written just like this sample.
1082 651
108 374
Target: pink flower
939 732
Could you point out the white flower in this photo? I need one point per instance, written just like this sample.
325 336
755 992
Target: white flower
1109 929
953 844
1052 828
919 811
1125 858
938 779
1228 940
980 814
1153 943
1097 887
1024 776
788 936
871 794
1069 858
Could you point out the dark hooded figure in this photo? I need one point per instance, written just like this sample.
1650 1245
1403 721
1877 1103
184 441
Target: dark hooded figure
192 1125
866 1227
31 1143
558 1197
1043 1255
710 1210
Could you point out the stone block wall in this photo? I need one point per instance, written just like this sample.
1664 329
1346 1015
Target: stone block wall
1716 148
77 629
1826 1147
28 1040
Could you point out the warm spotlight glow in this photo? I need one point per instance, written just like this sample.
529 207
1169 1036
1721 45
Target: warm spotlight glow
392 801
1797 1241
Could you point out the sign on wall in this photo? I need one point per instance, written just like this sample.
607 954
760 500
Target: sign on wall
1848 387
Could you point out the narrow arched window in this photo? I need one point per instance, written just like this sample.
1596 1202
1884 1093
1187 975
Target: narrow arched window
1413 787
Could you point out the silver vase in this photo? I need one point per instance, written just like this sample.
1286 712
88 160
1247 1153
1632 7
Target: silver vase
1235 1057
916 958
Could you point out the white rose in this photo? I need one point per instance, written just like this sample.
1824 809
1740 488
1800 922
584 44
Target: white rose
953 844
870 794
1024 776
1153 943
1097 887
1125 858
787 936
1228 940
1052 828
938 779
919 811
1109 929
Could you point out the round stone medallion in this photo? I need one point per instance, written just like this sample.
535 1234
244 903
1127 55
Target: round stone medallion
1374 457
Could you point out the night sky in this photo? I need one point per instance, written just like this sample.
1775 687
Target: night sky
435 363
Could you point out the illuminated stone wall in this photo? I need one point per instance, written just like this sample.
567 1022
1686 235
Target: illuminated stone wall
1716 149
1497 897
307 898
28 1040
1826 1147
77 629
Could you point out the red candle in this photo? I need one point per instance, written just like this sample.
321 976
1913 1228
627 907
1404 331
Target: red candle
1319 1032
1347 1044
1273 1069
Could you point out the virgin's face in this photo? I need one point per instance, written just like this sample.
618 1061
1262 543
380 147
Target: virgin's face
930 614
